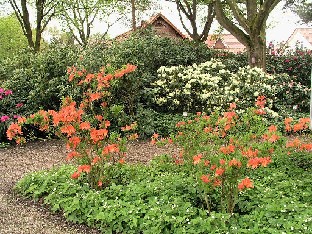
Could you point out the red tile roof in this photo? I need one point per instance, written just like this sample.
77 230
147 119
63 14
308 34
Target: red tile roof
305 32
229 42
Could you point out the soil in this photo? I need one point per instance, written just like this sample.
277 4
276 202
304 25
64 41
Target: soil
22 216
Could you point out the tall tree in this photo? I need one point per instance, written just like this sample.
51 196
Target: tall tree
133 15
44 11
301 7
135 8
79 16
248 24
189 8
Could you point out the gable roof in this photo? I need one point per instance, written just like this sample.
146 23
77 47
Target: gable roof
149 22
225 41
303 35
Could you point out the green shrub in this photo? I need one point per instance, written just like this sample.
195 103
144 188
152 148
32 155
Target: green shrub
209 86
296 63
150 122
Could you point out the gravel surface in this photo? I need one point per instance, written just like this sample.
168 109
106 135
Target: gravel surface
20 216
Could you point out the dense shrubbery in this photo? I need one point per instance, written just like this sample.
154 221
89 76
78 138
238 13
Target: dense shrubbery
40 82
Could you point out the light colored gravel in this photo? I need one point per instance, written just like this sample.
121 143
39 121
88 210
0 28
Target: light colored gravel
20 216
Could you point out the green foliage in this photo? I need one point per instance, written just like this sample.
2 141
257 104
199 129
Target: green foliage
40 80
296 63
150 122
12 39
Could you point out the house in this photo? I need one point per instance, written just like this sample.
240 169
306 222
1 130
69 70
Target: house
301 37
225 42
161 27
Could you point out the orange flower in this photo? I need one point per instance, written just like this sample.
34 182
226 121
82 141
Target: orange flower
207 129
99 117
85 126
75 175
127 128
95 96
260 112
245 183
273 138
232 105
179 124
250 153
121 161
133 137
261 101
155 136
98 135
255 162
197 158
217 182
235 163
288 121
206 163
272 128
113 148
13 130
228 149
73 142
84 168
95 160
100 184
219 171
293 144
205 178
68 129
72 155
222 161
307 147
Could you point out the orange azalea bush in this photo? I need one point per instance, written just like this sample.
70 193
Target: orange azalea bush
222 149
85 126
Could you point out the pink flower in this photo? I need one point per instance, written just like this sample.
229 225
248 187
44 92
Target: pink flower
1 90
18 105
4 118
8 92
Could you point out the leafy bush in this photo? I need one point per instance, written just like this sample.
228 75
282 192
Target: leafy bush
84 126
296 63
150 122
209 85
40 80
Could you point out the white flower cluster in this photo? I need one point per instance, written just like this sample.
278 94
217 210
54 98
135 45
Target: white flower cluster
205 86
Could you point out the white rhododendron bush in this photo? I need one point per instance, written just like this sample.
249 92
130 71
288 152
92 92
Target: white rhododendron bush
209 86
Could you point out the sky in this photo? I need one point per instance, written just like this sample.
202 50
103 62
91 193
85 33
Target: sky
281 23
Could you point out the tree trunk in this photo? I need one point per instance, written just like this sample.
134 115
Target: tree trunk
26 22
39 7
134 26
257 52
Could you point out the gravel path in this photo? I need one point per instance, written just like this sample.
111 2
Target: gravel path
20 216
